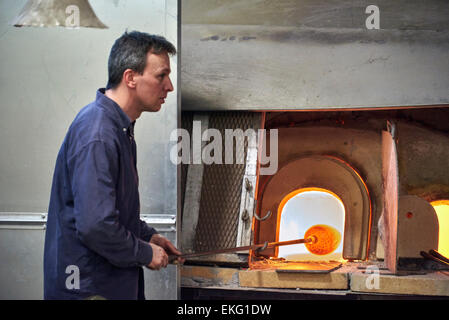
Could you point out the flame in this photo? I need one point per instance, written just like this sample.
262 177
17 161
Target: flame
326 239
442 209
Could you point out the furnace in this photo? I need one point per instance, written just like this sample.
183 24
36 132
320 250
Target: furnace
357 118
341 178
342 158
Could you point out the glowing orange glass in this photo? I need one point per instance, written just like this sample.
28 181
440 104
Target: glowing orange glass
326 239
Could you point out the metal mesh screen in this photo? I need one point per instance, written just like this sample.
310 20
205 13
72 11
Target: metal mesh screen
221 189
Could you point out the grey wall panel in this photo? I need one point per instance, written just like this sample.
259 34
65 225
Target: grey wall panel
49 75
21 264
397 14
159 284
287 55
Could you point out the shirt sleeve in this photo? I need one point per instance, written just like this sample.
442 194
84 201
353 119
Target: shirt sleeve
146 232
95 171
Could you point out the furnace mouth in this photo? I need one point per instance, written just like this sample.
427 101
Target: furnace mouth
341 203
299 210
312 212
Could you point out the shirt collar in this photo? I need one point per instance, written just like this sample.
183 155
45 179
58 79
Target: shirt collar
113 110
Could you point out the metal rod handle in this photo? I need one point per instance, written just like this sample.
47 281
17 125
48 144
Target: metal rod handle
244 248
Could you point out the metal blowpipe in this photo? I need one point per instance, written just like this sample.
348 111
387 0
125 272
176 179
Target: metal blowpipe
259 247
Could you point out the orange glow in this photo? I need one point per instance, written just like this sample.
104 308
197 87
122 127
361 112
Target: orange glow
282 264
327 239
291 195
290 225
442 209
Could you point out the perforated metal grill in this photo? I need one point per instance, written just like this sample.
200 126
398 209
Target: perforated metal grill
221 189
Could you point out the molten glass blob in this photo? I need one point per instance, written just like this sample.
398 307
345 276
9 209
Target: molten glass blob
326 239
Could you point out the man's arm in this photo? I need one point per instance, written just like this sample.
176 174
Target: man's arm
94 175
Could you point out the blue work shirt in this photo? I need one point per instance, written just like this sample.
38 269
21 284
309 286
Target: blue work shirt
93 223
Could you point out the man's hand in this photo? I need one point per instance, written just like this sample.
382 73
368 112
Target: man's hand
169 248
160 258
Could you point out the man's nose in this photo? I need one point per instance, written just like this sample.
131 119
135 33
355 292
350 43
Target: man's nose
169 85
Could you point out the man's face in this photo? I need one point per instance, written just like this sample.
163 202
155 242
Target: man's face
153 85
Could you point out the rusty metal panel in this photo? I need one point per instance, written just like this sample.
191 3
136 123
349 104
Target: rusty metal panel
388 224
221 189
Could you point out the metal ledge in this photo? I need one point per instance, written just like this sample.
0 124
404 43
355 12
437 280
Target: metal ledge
23 220
161 222
37 220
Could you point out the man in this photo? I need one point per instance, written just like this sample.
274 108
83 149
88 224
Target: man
95 242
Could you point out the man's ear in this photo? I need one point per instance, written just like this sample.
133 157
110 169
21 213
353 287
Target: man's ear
128 78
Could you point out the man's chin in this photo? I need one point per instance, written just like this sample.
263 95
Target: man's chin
155 108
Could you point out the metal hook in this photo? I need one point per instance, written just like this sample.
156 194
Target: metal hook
264 218
248 185
265 245
391 128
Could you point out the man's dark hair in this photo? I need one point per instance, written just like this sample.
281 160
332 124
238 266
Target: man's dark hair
130 52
